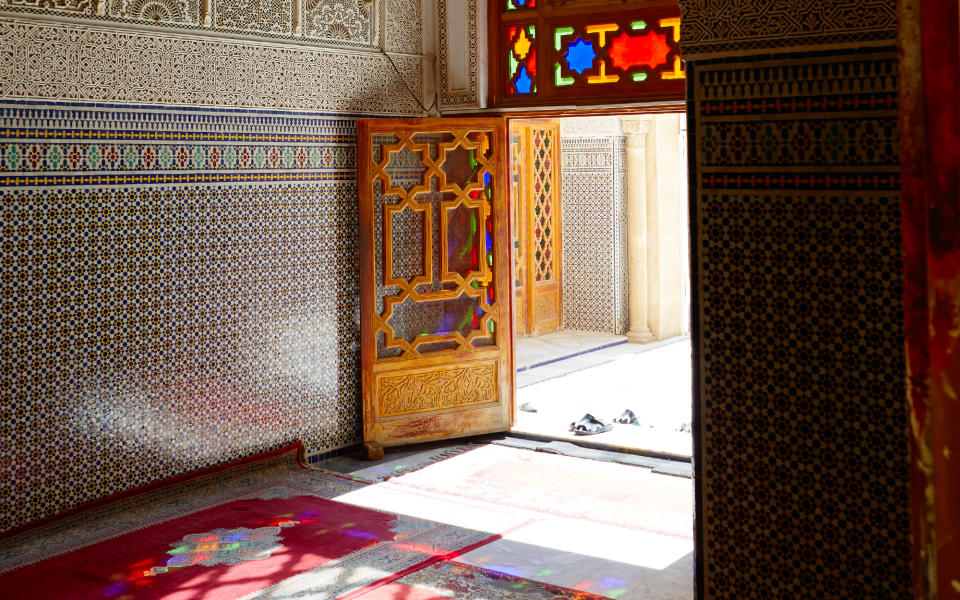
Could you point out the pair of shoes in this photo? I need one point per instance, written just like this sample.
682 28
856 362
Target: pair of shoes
627 417
589 425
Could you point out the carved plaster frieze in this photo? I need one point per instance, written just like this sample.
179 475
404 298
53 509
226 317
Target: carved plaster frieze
341 23
78 62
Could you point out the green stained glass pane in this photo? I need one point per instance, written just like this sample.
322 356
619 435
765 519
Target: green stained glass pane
558 33
638 77
638 25
558 79
513 64
518 4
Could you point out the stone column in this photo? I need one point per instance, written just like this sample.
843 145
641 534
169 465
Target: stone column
636 131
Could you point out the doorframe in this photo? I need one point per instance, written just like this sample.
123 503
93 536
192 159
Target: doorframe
684 107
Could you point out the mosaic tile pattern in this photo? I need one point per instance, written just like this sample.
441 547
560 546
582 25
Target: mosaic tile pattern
351 23
56 61
721 28
593 201
152 328
803 460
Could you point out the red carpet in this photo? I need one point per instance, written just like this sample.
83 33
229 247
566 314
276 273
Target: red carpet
217 554
197 541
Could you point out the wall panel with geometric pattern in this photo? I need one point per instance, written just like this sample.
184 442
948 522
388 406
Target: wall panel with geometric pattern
800 379
594 200
180 285
179 290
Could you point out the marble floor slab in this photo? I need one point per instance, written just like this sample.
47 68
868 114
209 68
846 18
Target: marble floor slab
532 352
654 382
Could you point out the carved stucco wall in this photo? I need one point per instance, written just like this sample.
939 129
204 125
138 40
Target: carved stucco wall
800 400
461 54
331 22
179 226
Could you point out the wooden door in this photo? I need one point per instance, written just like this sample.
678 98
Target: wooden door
519 204
535 185
434 279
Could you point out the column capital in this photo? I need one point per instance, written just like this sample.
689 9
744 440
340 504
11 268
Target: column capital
636 131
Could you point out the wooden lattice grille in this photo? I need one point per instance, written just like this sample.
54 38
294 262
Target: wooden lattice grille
543 208
434 232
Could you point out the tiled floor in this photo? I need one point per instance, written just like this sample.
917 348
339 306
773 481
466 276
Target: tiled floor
534 352
614 530
652 380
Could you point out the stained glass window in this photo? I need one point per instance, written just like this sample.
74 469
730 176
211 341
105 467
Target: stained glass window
522 60
602 53
620 51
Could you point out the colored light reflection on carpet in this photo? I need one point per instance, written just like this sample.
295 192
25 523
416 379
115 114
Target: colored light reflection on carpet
223 546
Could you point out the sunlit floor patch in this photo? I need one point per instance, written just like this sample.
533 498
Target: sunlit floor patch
600 529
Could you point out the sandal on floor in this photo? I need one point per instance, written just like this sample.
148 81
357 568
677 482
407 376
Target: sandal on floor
589 425
627 417
528 407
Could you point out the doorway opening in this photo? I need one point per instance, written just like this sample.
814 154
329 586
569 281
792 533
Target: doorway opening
437 289
601 280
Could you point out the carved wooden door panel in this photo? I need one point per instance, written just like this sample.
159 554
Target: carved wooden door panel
518 201
435 280
537 159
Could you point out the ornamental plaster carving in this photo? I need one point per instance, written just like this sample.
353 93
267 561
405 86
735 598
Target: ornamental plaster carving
350 23
58 61
590 127
474 64
636 131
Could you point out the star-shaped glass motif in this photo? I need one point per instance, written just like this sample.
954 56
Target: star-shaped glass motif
580 55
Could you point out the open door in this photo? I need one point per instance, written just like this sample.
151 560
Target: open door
435 284
535 194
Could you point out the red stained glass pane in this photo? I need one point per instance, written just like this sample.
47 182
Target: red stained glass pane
518 4
650 49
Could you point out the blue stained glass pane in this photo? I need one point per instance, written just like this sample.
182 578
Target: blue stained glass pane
523 81
580 56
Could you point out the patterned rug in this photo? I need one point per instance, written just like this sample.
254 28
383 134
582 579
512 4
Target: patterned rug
449 579
263 529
